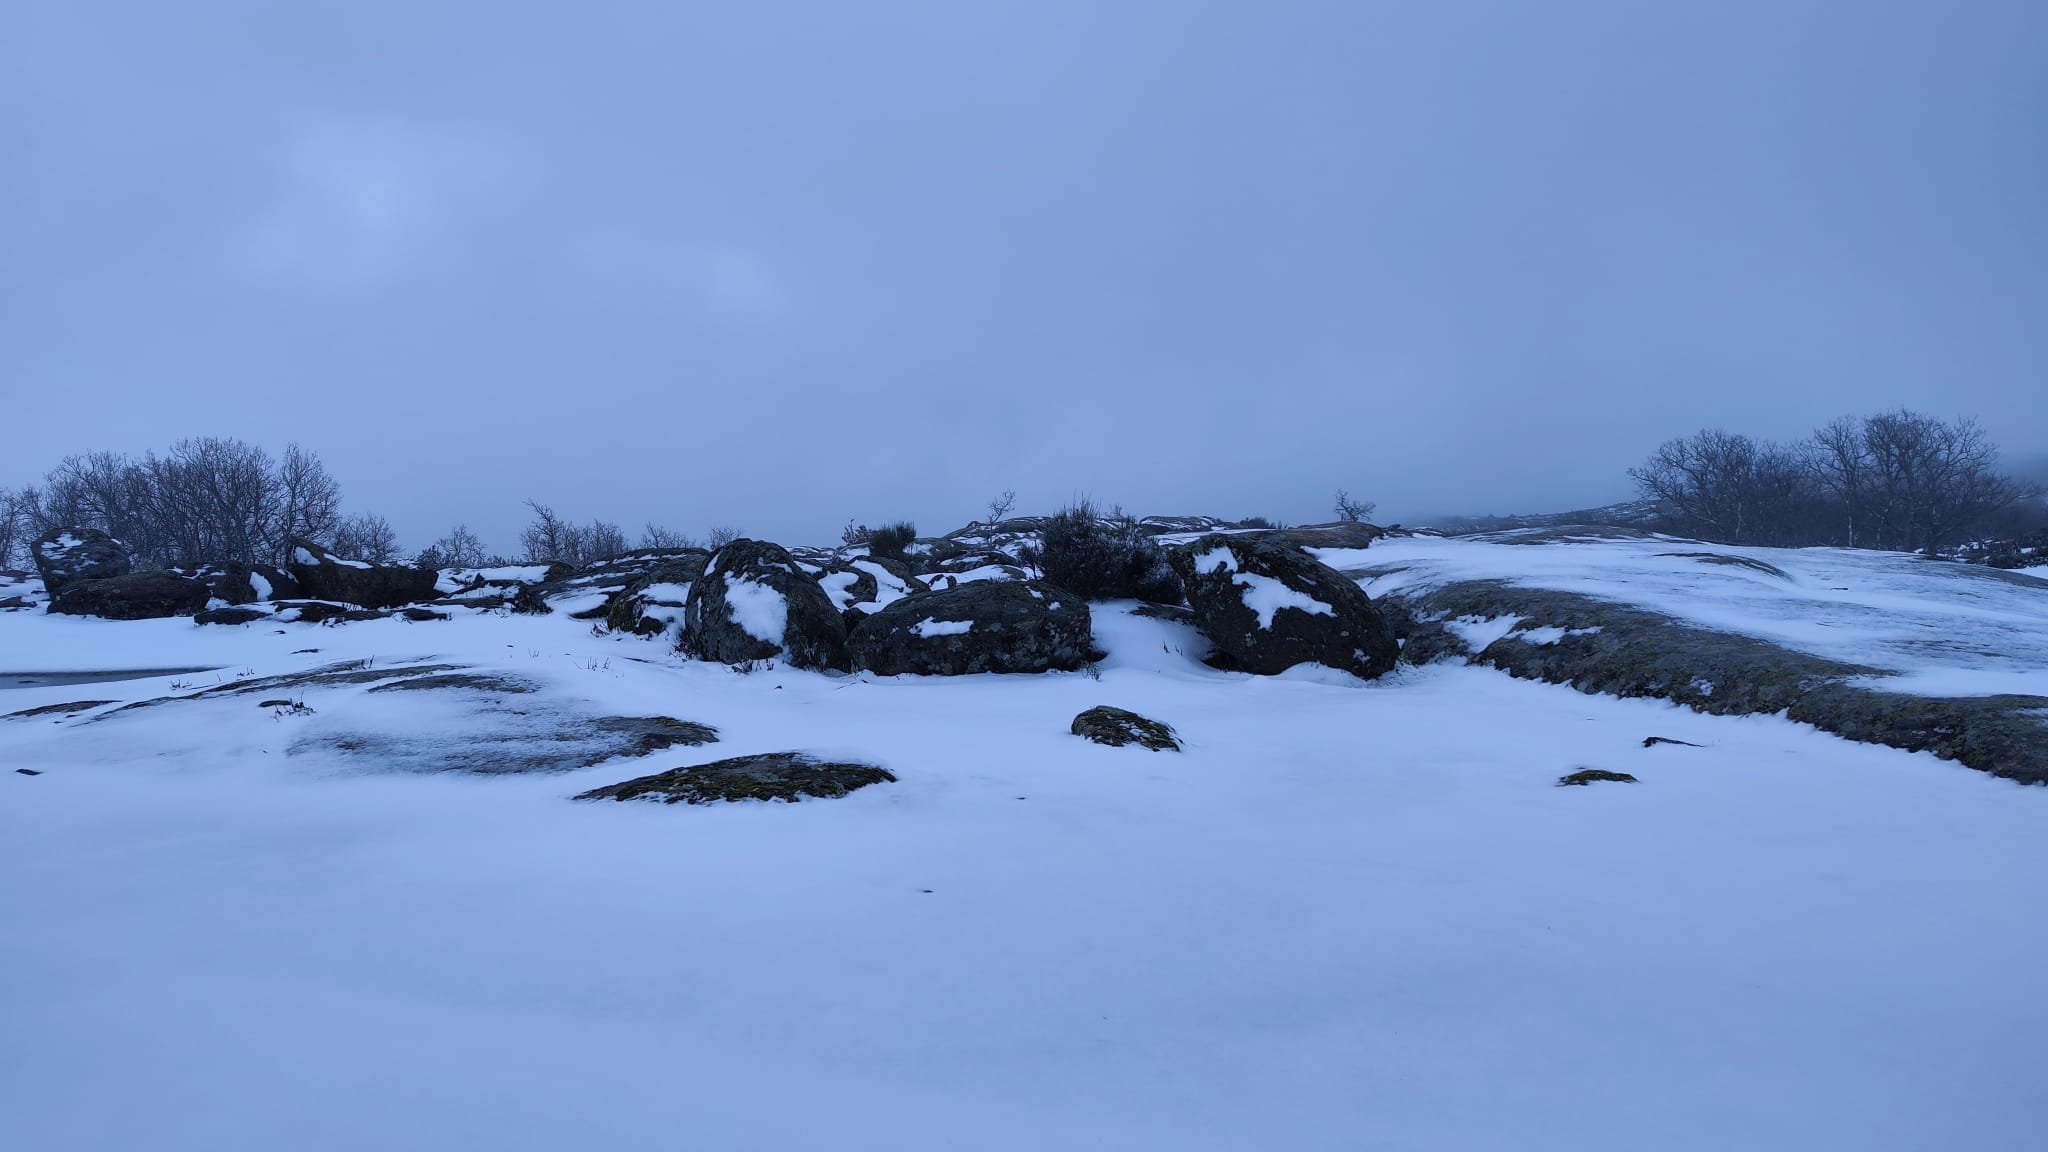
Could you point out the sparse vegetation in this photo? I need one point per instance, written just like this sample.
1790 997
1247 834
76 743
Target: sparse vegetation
1351 510
891 539
999 508
1103 557
656 536
460 548
550 538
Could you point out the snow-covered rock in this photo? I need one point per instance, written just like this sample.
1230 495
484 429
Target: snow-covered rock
754 603
136 596
988 626
1268 607
70 555
324 576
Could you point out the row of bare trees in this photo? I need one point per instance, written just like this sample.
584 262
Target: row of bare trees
1898 480
207 499
552 537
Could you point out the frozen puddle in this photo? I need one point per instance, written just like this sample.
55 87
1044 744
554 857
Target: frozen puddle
60 679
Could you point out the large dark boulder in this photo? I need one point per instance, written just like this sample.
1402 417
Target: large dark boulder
248 583
754 603
1267 606
324 576
986 626
650 602
136 596
70 555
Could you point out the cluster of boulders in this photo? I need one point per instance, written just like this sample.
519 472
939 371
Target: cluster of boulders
1261 599
955 605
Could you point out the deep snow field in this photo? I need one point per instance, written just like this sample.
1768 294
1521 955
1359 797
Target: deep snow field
1349 915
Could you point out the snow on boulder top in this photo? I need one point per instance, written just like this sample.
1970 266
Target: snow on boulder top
754 603
760 611
1266 596
1268 606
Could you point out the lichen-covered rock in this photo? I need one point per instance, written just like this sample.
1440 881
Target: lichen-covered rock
754 603
1586 776
989 626
788 776
1116 728
71 555
1267 607
136 596
324 576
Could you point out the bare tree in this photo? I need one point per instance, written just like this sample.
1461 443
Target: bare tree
1933 479
999 508
1839 458
547 537
1355 511
366 537
460 548
212 498
14 526
1703 480
656 536
309 501
599 540
720 537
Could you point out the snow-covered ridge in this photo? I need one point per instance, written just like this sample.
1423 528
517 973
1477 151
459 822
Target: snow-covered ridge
1944 628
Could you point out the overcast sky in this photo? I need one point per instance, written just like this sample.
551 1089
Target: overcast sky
779 265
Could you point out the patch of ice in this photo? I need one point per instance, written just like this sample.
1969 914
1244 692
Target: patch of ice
760 611
928 627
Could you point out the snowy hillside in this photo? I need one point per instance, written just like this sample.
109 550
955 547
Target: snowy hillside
323 887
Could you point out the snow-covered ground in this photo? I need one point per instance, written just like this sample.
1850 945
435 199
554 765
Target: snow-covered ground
1942 628
1347 916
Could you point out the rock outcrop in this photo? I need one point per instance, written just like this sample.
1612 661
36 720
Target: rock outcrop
71 555
754 603
988 626
136 596
1268 607
324 576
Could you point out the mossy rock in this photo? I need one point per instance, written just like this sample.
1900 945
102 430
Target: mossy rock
68 709
471 681
1622 650
1585 776
786 776
1116 728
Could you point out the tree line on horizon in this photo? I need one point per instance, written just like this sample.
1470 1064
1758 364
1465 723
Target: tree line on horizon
1897 481
218 500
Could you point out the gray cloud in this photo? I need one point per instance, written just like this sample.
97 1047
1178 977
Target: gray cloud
783 265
